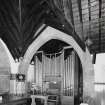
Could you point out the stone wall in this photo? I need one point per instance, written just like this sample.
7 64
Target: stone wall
4 69
85 57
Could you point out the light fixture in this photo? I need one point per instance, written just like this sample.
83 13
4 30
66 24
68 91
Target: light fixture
20 59
1 98
16 60
54 82
88 42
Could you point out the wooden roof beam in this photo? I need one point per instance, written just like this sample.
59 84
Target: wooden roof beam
71 11
80 15
67 27
100 6
89 8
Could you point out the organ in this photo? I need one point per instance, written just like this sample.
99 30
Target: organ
59 74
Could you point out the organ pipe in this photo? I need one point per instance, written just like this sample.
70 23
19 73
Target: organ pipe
55 65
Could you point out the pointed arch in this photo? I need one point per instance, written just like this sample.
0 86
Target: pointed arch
85 57
8 57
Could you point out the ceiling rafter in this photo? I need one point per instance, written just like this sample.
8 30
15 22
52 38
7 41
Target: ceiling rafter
100 6
89 11
67 27
32 39
80 15
71 11
20 21
6 26
87 16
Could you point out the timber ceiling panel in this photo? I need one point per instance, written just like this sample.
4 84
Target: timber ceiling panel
20 19
89 21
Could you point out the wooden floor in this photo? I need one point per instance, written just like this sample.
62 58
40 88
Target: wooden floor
67 100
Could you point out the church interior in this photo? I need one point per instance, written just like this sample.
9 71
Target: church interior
52 52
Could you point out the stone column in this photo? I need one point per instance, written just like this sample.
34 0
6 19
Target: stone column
12 84
17 84
21 84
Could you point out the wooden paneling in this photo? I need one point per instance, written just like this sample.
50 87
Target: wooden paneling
14 100
4 83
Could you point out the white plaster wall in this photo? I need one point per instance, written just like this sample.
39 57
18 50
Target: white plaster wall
4 69
6 58
99 68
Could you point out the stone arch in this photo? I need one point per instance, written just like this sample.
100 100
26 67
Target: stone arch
9 56
52 33
6 57
5 68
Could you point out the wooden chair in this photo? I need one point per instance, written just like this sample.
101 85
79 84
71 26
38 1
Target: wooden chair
53 99
53 96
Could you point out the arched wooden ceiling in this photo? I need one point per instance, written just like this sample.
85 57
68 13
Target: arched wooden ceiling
20 20
53 46
88 19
